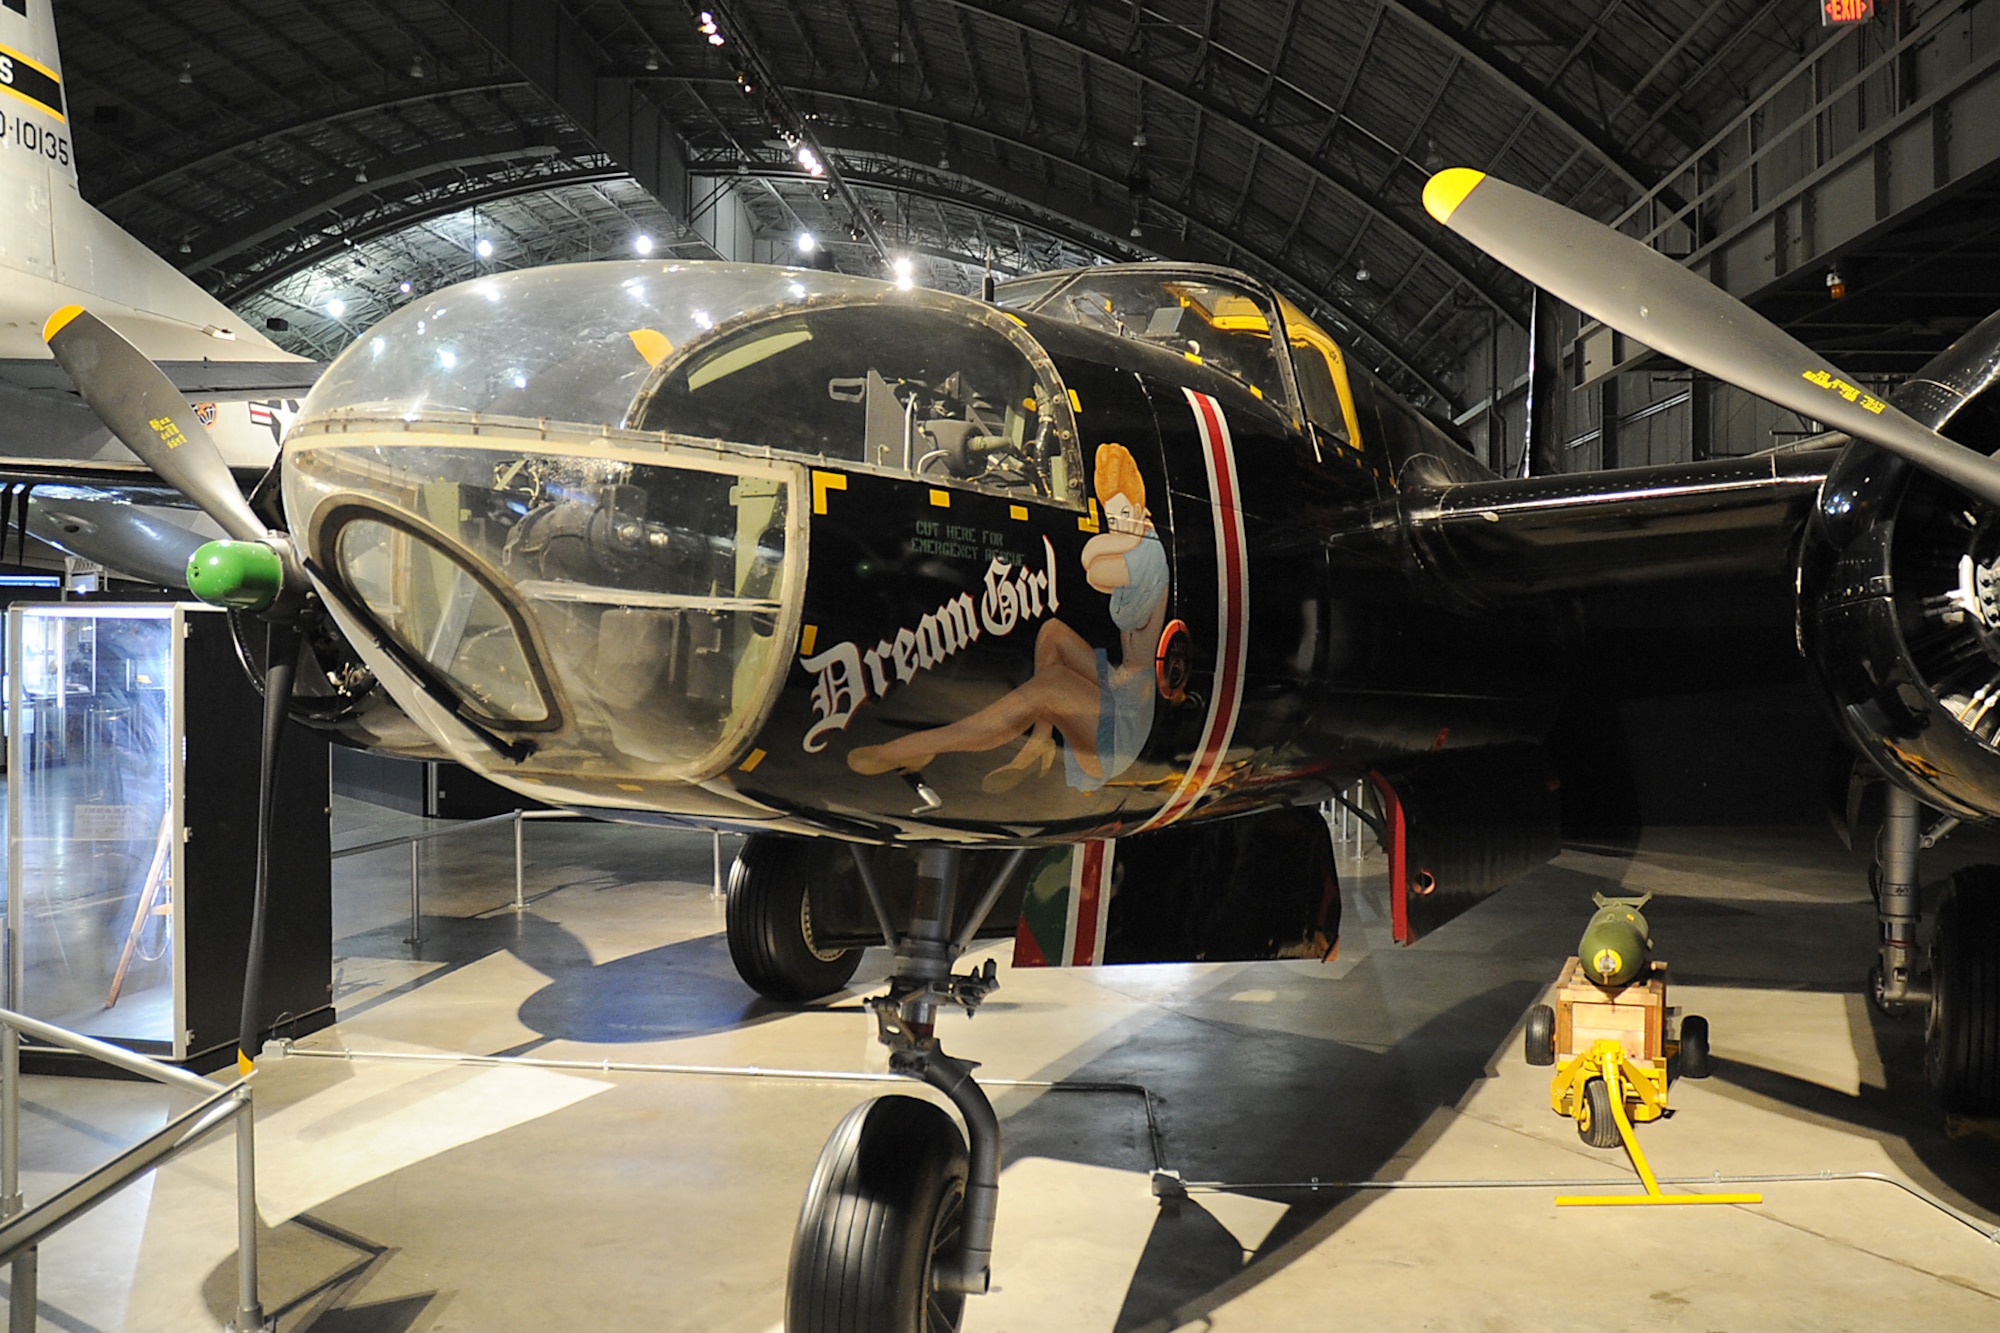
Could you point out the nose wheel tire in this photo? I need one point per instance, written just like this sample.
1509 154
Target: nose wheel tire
882 1209
769 921
1594 1124
1962 1031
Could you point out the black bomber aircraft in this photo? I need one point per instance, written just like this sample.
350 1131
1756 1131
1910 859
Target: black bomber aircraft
1077 599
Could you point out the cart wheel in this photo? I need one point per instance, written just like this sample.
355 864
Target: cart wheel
1594 1124
1694 1047
1540 1037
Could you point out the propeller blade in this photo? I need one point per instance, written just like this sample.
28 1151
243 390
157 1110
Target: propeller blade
1647 296
139 403
281 656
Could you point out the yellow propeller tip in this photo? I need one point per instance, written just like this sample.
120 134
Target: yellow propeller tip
1444 192
245 1065
59 320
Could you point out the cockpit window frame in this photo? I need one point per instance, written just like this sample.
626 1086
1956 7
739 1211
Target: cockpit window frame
324 540
1060 418
1043 298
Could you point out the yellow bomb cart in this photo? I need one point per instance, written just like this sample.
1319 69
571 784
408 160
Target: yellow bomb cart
1606 1035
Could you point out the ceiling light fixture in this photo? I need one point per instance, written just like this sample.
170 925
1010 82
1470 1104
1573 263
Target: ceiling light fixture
652 61
404 287
336 307
417 70
810 161
1836 285
361 175
1134 233
1361 270
642 245
1139 137
807 243
484 248
905 271
187 71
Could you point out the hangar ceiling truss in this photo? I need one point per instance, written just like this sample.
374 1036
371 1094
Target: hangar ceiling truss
262 144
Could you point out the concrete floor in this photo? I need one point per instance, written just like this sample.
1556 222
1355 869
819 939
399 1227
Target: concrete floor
419 1194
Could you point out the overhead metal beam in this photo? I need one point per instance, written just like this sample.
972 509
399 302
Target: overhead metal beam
260 225
555 54
211 158
442 203
1204 102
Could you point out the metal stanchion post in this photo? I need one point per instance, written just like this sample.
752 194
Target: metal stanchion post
520 902
416 907
715 889
249 1310
21 1297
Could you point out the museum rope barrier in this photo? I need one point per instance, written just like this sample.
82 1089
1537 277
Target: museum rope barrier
1167 1183
23 1230
415 841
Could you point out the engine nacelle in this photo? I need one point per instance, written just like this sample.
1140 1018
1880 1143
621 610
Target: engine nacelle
1899 595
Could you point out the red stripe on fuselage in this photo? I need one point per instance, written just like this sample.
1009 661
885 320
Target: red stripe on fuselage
1089 889
1232 591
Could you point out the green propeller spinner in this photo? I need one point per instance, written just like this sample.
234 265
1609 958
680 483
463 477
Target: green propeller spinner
245 575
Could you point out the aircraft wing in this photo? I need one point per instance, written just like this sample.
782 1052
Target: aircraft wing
218 381
1626 529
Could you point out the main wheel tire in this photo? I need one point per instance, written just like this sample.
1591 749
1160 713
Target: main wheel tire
770 925
1540 1036
1962 1032
1694 1047
1594 1124
882 1207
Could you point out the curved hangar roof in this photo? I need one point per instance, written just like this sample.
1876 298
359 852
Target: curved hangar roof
305 160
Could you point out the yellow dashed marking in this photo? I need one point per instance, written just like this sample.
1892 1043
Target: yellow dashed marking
824 482
940 499
1075 403
749 765
807 639
1018 512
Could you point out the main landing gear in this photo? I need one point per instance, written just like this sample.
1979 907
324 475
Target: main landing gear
1960 989
897 1227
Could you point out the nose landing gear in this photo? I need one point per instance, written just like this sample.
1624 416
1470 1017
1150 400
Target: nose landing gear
897 1226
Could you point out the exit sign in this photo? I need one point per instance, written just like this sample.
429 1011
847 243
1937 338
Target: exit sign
1840 13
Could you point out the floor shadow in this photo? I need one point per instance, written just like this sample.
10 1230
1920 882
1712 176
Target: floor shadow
1325 1107
676 990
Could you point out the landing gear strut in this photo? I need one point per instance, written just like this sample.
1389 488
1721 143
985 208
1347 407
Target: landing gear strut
1895 982
897 1227
1960 987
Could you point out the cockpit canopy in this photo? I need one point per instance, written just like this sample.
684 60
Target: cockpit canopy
1223 319
796 361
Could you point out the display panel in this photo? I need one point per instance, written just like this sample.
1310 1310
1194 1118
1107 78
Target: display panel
93 806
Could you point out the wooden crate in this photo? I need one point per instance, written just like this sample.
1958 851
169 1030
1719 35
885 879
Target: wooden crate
1634 1015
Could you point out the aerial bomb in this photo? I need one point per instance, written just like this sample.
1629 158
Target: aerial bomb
1616 945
